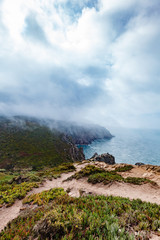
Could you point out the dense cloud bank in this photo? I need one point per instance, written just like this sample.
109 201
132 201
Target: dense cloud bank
86 60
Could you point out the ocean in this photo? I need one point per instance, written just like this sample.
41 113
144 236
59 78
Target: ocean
129 146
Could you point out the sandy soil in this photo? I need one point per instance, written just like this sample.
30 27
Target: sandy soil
145 192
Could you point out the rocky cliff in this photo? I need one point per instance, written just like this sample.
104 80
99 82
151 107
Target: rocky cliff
80 133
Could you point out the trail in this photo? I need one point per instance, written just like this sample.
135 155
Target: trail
145 192
8 214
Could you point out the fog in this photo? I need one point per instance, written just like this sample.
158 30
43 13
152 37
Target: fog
81 61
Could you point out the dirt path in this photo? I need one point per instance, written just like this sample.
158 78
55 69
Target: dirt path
145 192
8 214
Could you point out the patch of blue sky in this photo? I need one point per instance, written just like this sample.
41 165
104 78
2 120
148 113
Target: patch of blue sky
77 7
33 30
120 21
74 8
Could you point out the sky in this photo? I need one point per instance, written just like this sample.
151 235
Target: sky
81 60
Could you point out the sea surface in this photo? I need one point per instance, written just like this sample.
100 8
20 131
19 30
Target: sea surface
129 146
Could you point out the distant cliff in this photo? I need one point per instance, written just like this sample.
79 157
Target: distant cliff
87 134
80 133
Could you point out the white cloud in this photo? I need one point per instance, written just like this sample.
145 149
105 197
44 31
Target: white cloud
90 60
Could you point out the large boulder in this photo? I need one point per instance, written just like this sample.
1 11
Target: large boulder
105 157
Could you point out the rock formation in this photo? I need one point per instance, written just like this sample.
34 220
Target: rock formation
105 157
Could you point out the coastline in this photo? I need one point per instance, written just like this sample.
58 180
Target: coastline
128 146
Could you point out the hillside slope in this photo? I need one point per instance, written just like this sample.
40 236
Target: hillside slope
33 145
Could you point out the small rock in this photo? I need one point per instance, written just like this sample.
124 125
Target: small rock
139 164
68 190
90 193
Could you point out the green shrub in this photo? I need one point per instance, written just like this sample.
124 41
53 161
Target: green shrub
105 177
138 181
124 169
85 172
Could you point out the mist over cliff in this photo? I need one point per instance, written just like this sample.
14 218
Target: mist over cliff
81 133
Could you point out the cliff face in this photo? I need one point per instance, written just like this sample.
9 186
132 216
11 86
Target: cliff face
87 134
81 134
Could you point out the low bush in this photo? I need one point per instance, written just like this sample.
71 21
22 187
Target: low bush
124 169
138 181
105 177
85 172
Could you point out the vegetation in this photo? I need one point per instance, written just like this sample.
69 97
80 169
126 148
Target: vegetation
85 172
59 216
98 175
10 192
124 169
15 186
138 181
105 177
56 171
32 146
6 177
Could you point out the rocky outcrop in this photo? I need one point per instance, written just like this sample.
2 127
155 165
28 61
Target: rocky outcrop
76 153
105 157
